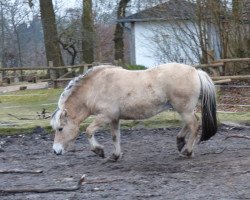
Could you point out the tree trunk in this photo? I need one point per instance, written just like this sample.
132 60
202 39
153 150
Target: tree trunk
202 32
52 47
18 47
118 36
240 23
247 17
87 32
3 63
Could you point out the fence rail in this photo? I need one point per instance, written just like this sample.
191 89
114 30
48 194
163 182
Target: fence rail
53 71
44 68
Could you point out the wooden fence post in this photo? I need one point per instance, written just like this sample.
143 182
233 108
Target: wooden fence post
85 69
115 62
81 69
52 73
95 64
1 78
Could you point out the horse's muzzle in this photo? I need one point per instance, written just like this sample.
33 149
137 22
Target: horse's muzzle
58 149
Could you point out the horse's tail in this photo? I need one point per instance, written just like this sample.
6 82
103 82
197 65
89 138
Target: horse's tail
208 106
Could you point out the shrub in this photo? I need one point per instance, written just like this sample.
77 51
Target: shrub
135 67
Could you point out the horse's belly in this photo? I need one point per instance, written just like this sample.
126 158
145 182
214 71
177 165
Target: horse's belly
143 111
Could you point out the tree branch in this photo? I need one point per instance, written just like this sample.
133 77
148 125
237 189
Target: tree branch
217 152
47 190
93 181
20 171
19 118
44 190
237 136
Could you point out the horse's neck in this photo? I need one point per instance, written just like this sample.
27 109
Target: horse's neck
76 107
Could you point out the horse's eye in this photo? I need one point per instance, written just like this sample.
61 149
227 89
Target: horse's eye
60 129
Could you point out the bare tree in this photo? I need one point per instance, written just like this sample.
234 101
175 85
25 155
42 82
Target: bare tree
239 29
118 36
104 42
16 19
182 34
87 32
68 43
15 15
2 36
246 16
203 27
70 35
52 47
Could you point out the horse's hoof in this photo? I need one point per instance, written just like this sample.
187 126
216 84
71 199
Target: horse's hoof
180 143
99 151
113 158
187 153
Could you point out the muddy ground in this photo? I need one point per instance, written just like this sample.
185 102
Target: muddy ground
151 167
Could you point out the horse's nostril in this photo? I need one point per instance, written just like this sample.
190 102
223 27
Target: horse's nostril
57 153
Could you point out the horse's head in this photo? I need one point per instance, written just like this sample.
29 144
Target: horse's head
66 131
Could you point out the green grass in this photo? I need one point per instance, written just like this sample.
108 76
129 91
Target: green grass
239 117
135 67
27 103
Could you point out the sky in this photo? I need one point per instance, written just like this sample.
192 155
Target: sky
65 4
70 3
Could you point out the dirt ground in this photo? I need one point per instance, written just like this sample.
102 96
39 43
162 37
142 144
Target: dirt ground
150 168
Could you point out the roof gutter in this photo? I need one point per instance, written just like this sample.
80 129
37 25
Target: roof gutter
148 20
139 20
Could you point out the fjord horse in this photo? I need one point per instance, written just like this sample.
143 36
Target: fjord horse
112 93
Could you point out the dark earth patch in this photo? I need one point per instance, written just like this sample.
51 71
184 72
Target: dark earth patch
150 168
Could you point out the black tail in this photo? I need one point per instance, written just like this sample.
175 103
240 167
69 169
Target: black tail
208 106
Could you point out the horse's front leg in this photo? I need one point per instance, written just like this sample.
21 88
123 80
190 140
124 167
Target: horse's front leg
90 131
115 132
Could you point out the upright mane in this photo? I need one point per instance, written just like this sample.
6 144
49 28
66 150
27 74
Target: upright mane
77 81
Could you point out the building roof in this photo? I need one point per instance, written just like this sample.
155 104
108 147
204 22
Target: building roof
173 9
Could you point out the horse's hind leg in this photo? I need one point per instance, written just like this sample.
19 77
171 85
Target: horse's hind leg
90 131
180 140
192 128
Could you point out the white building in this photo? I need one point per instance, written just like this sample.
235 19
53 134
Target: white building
168 33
